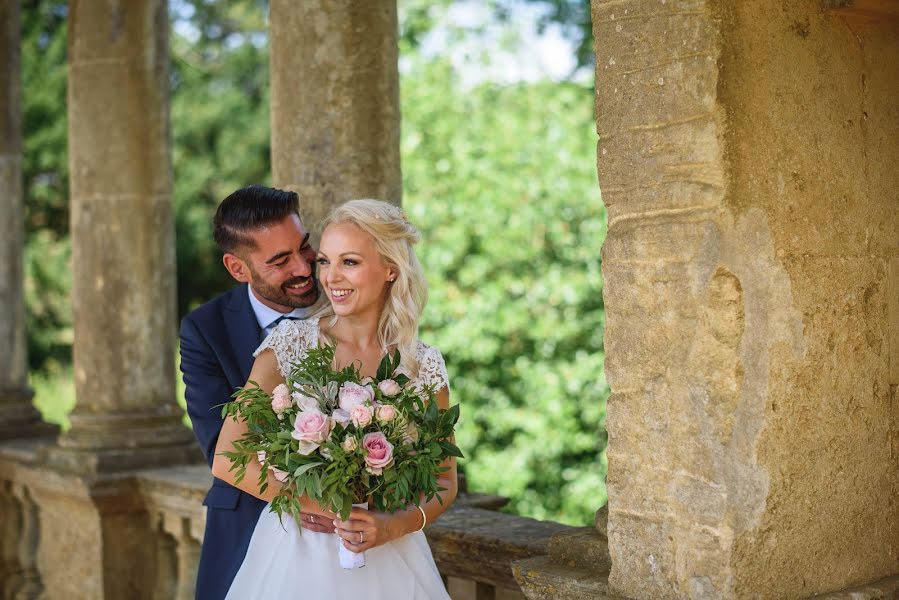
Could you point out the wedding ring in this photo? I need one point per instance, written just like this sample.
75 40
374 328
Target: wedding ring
312 518
360 537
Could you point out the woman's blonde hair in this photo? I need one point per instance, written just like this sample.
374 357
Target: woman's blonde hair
394 237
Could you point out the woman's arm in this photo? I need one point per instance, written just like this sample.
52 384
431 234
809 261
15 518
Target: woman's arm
265 373
379 528
410 519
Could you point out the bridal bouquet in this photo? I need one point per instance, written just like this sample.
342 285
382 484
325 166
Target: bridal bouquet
342 439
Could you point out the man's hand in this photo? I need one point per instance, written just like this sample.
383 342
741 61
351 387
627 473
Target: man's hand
318 523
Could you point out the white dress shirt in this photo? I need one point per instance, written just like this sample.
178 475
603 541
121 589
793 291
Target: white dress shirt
266 317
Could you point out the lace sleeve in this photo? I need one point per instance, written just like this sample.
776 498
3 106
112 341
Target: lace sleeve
289 341
431 367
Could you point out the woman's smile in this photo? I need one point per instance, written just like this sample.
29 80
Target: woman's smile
338 295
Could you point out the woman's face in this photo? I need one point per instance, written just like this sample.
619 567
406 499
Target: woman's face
354 275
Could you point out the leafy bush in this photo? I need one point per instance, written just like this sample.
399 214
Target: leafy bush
501 181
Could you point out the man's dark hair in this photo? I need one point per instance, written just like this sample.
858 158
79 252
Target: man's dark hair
247 209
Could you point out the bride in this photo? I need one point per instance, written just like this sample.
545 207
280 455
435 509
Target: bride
377 292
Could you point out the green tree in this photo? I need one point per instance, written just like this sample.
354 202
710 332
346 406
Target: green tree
45 183
220 127
501 181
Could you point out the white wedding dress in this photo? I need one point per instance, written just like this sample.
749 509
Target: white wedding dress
284 562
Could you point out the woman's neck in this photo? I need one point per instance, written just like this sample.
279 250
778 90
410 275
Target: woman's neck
359 332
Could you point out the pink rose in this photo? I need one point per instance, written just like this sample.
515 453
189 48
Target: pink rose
361 415
311 429
279 474
304 402
378 452
281 399
341 416
349 444
389 387
352 394
386 413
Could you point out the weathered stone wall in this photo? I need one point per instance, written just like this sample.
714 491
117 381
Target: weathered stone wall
123 235
335 102
812 142
745 158
13 366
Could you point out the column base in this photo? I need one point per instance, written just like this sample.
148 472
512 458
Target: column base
122 442
19 418
116 460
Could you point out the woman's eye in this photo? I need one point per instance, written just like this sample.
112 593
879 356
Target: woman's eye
321 261
349 262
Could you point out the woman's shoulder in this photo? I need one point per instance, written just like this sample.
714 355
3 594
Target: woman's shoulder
423 349
431 365
291 332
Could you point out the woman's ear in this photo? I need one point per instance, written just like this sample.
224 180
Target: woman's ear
236 267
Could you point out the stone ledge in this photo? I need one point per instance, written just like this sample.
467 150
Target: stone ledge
583 548
542 579
884 589
866 11
481 544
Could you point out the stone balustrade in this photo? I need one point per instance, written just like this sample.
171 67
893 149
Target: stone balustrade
474 545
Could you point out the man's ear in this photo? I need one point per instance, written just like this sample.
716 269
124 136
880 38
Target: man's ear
236 267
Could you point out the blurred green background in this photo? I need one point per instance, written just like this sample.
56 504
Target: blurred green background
498 158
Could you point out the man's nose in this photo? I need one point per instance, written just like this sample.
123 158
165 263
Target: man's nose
301 267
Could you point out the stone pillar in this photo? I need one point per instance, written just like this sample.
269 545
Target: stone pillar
18 417
747 161
335 102
123 245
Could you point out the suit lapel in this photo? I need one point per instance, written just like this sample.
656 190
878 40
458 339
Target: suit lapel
243 330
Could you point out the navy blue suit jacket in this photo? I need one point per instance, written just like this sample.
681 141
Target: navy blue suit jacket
217 344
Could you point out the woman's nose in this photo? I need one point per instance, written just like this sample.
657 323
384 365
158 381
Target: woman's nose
332 274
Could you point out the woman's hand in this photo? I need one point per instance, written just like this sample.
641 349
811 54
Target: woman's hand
318 523
366 529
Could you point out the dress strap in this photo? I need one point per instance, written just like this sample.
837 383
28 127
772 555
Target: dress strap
290 340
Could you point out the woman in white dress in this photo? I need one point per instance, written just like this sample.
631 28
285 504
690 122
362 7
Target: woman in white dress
377 291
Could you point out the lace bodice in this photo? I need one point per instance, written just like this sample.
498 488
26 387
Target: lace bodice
291 339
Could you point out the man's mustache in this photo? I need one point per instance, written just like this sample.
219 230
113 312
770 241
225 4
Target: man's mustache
298 280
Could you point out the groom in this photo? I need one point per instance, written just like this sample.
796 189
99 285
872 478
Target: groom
267 250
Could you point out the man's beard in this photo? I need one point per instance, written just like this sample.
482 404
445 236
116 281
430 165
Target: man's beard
278 295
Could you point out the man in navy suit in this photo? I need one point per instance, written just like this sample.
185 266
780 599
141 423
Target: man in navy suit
267 250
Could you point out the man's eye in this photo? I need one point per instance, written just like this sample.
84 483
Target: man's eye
280 263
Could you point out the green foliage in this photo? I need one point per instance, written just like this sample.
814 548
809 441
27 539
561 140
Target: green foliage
45 185
220 127
512 221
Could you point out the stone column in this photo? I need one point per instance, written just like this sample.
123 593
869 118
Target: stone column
123 244
18 417
747 161
335 102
